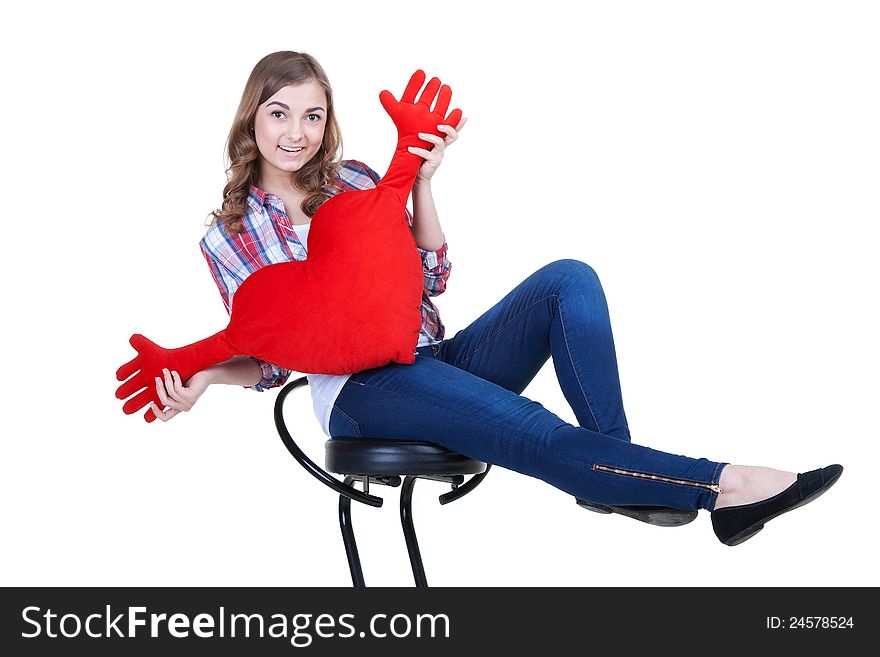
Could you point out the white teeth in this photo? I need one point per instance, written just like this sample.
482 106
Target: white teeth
291 150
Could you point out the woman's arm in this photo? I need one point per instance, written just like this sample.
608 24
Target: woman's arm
426 224
238 371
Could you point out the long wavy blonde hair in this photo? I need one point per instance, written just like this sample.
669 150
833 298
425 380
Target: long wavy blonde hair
271 73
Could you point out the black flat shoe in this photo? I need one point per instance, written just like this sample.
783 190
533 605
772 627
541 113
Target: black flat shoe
661 516
735 524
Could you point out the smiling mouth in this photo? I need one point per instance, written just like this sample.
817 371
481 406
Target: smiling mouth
288 149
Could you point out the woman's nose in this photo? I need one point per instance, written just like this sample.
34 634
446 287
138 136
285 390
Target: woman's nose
294 130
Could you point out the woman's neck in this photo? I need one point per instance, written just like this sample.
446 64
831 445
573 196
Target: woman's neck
280 189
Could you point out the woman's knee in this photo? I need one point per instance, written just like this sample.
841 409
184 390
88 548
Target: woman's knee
569 271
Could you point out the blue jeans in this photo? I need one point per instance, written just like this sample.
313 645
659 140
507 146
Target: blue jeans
464 394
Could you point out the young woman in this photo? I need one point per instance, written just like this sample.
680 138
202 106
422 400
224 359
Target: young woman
461 392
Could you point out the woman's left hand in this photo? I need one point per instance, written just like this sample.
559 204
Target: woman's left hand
434 157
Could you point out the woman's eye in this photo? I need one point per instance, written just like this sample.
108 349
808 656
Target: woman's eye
277 112
315 117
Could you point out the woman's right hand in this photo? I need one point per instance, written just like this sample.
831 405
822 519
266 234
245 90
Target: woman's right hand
177 396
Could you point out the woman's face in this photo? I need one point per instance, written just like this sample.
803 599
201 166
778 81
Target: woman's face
289 127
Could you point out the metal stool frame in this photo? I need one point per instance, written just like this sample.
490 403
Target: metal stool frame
347 492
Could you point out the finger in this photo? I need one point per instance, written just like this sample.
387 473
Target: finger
421 152
181 392
162 415
171 387
156 411
140 342
388 102
161 394
434 139
454 117
412 88
128 369
443 99
430 91
149 416
130 387
137 402
451 133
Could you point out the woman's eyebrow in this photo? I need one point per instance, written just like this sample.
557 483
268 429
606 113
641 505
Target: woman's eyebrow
310 109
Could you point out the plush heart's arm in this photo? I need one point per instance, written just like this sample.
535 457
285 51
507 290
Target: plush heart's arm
303 315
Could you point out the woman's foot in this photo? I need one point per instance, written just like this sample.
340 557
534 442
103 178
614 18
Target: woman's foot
735 523
744 484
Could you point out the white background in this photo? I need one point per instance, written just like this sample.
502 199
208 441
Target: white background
716 163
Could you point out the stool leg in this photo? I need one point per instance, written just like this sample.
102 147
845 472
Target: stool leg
351 550
409 532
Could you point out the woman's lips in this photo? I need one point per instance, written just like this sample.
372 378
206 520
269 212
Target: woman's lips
291 153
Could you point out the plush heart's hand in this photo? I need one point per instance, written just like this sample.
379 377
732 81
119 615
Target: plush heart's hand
413 116
146 366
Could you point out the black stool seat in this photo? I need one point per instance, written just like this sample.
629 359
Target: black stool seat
395 457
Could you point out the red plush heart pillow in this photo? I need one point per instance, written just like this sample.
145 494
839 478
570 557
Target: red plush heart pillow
301 315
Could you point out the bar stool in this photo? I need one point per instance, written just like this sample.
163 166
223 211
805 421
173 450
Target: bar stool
384 462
